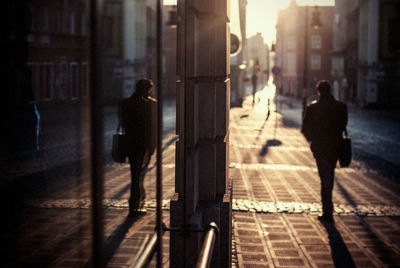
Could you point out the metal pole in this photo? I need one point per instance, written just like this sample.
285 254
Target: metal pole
96 116
159 135
147 253
305 93
206 252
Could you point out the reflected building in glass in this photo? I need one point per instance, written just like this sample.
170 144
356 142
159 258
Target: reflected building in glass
46 155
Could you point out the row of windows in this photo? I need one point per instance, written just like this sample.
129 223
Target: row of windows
316 42
57 21
315 63
61 81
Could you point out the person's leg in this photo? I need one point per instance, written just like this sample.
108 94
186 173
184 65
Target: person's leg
135 161
326 173
143 170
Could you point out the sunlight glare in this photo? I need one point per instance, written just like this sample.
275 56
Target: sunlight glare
267 93
262 15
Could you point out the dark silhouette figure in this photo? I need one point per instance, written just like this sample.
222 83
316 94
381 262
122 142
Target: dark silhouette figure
137 115
323 124
254 79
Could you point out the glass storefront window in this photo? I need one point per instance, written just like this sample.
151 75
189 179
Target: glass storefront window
47 161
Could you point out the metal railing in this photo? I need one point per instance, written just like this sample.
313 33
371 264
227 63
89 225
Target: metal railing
208 247
147 251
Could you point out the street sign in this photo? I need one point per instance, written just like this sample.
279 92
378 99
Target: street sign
276 70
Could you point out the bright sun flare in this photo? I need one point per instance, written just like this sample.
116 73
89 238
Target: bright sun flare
262 15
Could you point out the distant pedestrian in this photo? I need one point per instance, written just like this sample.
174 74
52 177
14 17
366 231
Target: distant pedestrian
137 115
254 79
323 124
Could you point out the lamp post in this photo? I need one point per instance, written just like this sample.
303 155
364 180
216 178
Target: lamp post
316 24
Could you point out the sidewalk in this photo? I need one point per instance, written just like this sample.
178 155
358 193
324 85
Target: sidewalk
275 202
276 199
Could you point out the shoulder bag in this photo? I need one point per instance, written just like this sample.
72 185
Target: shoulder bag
345 150
119 145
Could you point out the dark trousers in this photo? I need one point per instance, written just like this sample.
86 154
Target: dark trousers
138 162
326 170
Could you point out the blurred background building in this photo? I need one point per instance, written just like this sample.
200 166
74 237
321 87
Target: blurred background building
355 47
257 58
291 48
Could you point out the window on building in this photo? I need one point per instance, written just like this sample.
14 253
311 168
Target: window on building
62 81
108 31
34 73
83 25
74 80
291 42
85 79
316 42
45 27
57 21
65 21
46 81
315 62
291 63
34 20
73 22
337 19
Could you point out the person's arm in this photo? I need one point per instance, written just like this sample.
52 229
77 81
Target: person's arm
306 128
344 117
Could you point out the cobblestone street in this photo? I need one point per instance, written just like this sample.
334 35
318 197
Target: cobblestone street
275 201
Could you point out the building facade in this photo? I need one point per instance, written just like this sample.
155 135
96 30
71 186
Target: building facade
257 58
303 52
365 56
345 50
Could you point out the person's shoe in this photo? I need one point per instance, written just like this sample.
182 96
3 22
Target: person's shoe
325 218
137 212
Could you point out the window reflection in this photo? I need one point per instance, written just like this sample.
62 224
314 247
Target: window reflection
45 157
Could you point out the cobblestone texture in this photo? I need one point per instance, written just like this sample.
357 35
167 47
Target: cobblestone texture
275 201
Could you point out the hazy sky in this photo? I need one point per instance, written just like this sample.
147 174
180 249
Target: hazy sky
262 14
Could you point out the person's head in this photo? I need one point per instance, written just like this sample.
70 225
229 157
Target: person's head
143 87
324 88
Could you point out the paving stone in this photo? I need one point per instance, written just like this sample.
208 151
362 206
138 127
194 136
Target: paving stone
290 262
275 201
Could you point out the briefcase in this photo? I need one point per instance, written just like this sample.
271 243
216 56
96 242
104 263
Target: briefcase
345 154
119 145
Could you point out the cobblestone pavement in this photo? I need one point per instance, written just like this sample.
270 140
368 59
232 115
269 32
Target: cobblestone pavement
276 199
375 133
55 230
275 202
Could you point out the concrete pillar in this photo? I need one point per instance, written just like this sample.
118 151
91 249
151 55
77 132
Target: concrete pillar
202 187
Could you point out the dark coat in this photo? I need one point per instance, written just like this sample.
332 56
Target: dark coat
138 118
323 125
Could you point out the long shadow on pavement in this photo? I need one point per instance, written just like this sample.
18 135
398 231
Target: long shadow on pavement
379 247
269 143
340 253
345 193
115 240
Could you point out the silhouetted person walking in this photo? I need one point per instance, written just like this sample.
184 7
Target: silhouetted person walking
254 79
323 125
137 115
